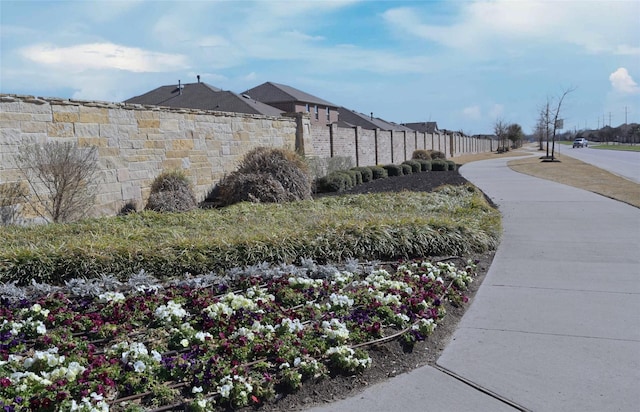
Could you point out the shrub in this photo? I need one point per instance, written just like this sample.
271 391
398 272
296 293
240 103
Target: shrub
356 176
436 154
438 165
285 166
322 166
171 192
406 169
334 182
250 187
393 170
277 165
415 165
425 165
367 174
451 165
421 154
63 179
379 172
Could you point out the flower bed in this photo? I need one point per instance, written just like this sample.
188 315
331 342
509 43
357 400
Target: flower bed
102 345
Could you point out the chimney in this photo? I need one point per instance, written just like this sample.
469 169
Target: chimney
198 76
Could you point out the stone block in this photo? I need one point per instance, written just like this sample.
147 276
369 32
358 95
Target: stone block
182 144
122 175
66 117
108 151
60 130
35 107
34 127
172 154
13 107
131 192
11 116
155 144
93 115
169 125
109 130
172 164
149 123
87 129
92 141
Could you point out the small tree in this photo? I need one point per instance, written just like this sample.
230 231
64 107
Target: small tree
550 116
515 135
62 177
500 129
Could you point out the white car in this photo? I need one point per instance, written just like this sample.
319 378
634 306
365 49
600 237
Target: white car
580 142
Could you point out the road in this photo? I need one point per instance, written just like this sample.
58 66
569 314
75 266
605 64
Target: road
625 164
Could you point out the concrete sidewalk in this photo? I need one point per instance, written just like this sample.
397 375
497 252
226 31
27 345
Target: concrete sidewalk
555 325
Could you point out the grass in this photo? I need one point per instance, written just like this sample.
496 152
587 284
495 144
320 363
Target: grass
376 226
622 147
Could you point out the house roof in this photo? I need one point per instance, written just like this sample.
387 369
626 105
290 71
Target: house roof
270 92
425 127
354 118
205 97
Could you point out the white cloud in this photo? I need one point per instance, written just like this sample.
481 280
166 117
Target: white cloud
472 112
622 82
83 57
483 26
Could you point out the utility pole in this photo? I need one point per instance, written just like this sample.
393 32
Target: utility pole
609 119
625 115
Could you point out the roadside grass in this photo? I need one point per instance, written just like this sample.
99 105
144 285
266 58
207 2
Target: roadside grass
621 147
573 172
451 221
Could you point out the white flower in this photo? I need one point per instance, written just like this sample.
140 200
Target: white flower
292 326
335 329
340 300
196 389
139 366
184 342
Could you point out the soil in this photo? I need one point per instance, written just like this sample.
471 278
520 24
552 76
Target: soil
391 358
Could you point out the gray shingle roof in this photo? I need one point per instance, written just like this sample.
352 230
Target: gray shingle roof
270 92
428 127
367 122
205 97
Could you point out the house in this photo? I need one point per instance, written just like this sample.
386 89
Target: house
424 127
352 118
292 100
203 96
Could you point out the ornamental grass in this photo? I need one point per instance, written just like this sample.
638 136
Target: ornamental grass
385 226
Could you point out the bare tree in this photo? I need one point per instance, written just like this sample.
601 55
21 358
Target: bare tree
550 116
12 196
62 177
500 129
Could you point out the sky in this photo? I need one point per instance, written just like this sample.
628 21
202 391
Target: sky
463 64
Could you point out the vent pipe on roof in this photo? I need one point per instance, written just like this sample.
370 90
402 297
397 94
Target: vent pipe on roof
198 76
179 87
371 115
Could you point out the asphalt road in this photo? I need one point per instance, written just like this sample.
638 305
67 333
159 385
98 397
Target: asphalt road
625 164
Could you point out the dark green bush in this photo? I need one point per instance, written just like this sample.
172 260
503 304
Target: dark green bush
393 170
406 169
415 165
334 182
439 165
425 165
356 176
379 172
171 192
421 154
367 174
436 154
451 165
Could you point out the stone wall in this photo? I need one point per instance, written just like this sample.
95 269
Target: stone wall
136 143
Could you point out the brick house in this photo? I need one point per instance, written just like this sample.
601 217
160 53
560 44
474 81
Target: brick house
203 96
292 100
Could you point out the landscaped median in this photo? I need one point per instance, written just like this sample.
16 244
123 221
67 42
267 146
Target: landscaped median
170 311
451 221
